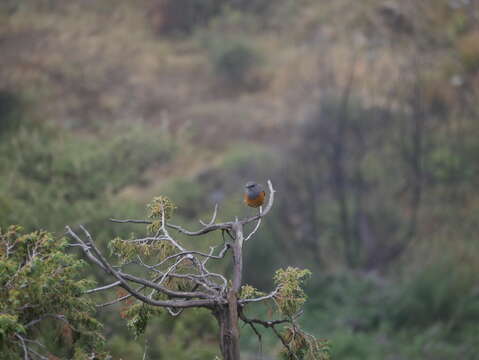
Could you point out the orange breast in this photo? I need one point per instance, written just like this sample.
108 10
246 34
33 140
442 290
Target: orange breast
257 201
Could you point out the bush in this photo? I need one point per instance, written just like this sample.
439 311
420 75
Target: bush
235 61
10 111
437 295
53 177
468 48
182 16
41 287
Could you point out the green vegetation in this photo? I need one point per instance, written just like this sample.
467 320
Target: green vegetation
42 310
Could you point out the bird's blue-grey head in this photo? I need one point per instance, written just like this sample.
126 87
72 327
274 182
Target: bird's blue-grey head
253 189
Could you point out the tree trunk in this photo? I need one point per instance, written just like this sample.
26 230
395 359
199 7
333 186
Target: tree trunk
229 334
227 315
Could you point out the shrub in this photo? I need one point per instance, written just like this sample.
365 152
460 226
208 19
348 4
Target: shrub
41 287
10 111
235 61
53 177
442 293
182 16
468 48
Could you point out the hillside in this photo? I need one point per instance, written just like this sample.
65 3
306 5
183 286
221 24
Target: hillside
364 115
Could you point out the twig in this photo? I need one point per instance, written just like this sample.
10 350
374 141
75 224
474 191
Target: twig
213 218
254 230
24 346
211 226
106 287
55 316
261 298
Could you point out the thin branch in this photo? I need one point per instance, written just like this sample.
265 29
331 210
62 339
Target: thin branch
213 218
55 316
106 287
133 221
205 230
85 247
24 346
105 265
269 324
266 324
254 231
212 227
283 341
117 300
261 298
258 335
163 289
173 313
41 357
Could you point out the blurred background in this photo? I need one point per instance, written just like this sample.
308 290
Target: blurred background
364 114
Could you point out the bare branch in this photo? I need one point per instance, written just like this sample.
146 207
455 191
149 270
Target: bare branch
173 313
254 230
269 324
266 324
258 335
283 341
24 346
117 300
109 269
205 230
85 247
106 287
212 226
163 289
261 298
55 316
133 221
213 218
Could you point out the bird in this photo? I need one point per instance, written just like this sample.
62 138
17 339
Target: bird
254 194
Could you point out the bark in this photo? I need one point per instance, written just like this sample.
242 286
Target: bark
228 315
229 333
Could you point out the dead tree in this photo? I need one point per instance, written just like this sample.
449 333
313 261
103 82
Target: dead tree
227 299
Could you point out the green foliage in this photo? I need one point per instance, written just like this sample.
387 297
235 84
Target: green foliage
192 335
303 346
55 178
40 285
126 250
249 292
138 316
234 60
160 207
437 295
11 111
430 313
290 297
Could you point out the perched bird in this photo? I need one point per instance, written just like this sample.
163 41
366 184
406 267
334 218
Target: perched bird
254 194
